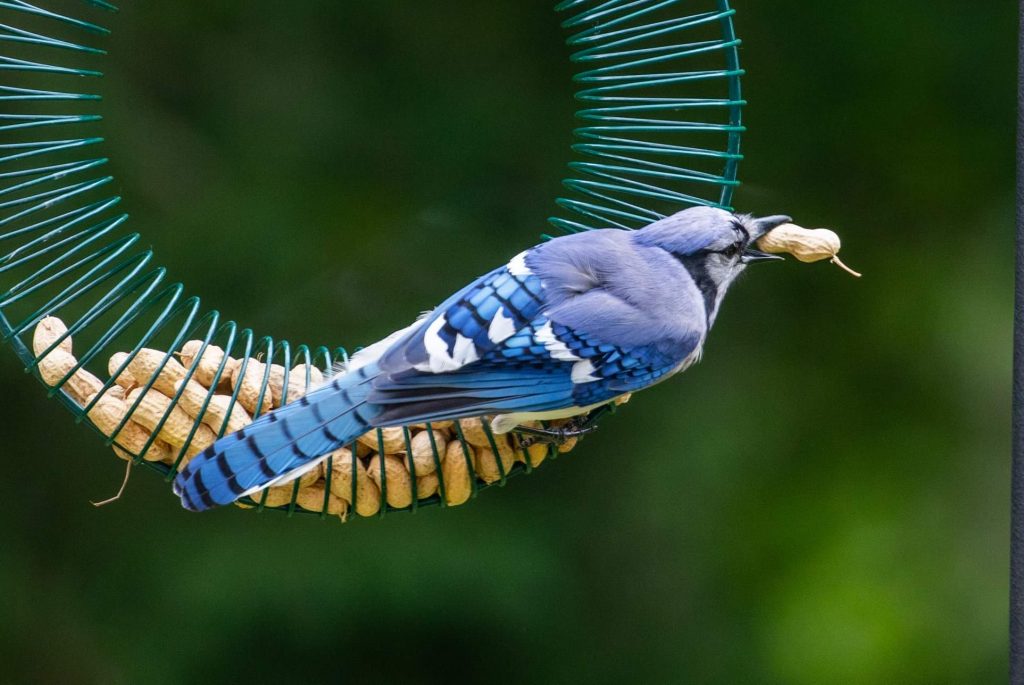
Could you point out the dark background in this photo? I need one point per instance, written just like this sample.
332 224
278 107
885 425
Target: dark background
823 499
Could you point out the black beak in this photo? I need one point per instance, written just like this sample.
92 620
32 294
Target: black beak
767 223
757 256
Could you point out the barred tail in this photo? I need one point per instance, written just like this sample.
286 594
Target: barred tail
281 445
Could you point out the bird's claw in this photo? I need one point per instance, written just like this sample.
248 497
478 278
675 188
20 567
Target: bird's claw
557 436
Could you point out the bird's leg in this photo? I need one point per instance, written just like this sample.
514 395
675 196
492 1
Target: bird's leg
576 427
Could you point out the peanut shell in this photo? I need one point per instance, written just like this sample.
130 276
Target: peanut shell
398 486
296 382
217 413
207 365
367 492
474 433
487 466
147 363
422 455
568 445
107 414
806 244
80 386
312 498
456 473
251 381
537 453
392 440
176 428
426 486
46 333
125 380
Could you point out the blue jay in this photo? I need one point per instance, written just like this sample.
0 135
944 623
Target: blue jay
563 328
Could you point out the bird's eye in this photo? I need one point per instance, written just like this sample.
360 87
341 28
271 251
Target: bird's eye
731 250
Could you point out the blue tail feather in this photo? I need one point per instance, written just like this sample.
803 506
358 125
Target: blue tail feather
279 446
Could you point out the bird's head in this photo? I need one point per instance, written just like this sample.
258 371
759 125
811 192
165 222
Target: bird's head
714 245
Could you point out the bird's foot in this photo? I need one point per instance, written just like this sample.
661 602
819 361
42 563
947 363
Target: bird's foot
572 429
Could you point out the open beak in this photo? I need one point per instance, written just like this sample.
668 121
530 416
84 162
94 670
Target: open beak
757 256
767 223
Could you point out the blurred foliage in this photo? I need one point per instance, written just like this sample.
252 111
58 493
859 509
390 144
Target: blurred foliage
823 500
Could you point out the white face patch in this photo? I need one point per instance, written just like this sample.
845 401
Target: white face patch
517 266
555 347
722 272
502 327
438 359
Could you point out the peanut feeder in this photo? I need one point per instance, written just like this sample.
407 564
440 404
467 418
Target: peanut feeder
412 463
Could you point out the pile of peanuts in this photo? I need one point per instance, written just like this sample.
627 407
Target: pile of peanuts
414 462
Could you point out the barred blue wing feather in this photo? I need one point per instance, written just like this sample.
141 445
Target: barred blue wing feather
279 446
543 367
473 321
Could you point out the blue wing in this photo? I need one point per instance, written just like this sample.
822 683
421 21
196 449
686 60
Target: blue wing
471 322
524 375
543 367
512 342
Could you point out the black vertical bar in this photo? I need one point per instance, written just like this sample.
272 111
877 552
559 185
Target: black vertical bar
1017 488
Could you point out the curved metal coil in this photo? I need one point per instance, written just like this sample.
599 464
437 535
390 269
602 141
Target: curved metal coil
661 130
662 111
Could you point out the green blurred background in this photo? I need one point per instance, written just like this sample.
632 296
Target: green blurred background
823 500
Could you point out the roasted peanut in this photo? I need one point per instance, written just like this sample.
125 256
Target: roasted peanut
217 413
208 365
46 333
457 477
537 453
280 495
80 386
107 414
296 382
427 485
125 380
148 363
392 440
175 430
422 454
474 433
367 493
487 466
443 426
398 487
315 497
251 381
277 496
807 245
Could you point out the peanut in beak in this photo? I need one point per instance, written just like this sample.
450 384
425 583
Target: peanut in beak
806 244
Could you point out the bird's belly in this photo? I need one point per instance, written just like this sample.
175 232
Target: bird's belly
503 423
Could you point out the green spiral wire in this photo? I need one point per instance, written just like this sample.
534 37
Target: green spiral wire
661 125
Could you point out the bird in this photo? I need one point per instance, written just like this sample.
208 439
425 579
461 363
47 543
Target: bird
564 327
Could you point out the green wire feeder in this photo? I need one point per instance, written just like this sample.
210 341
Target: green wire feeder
661 113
